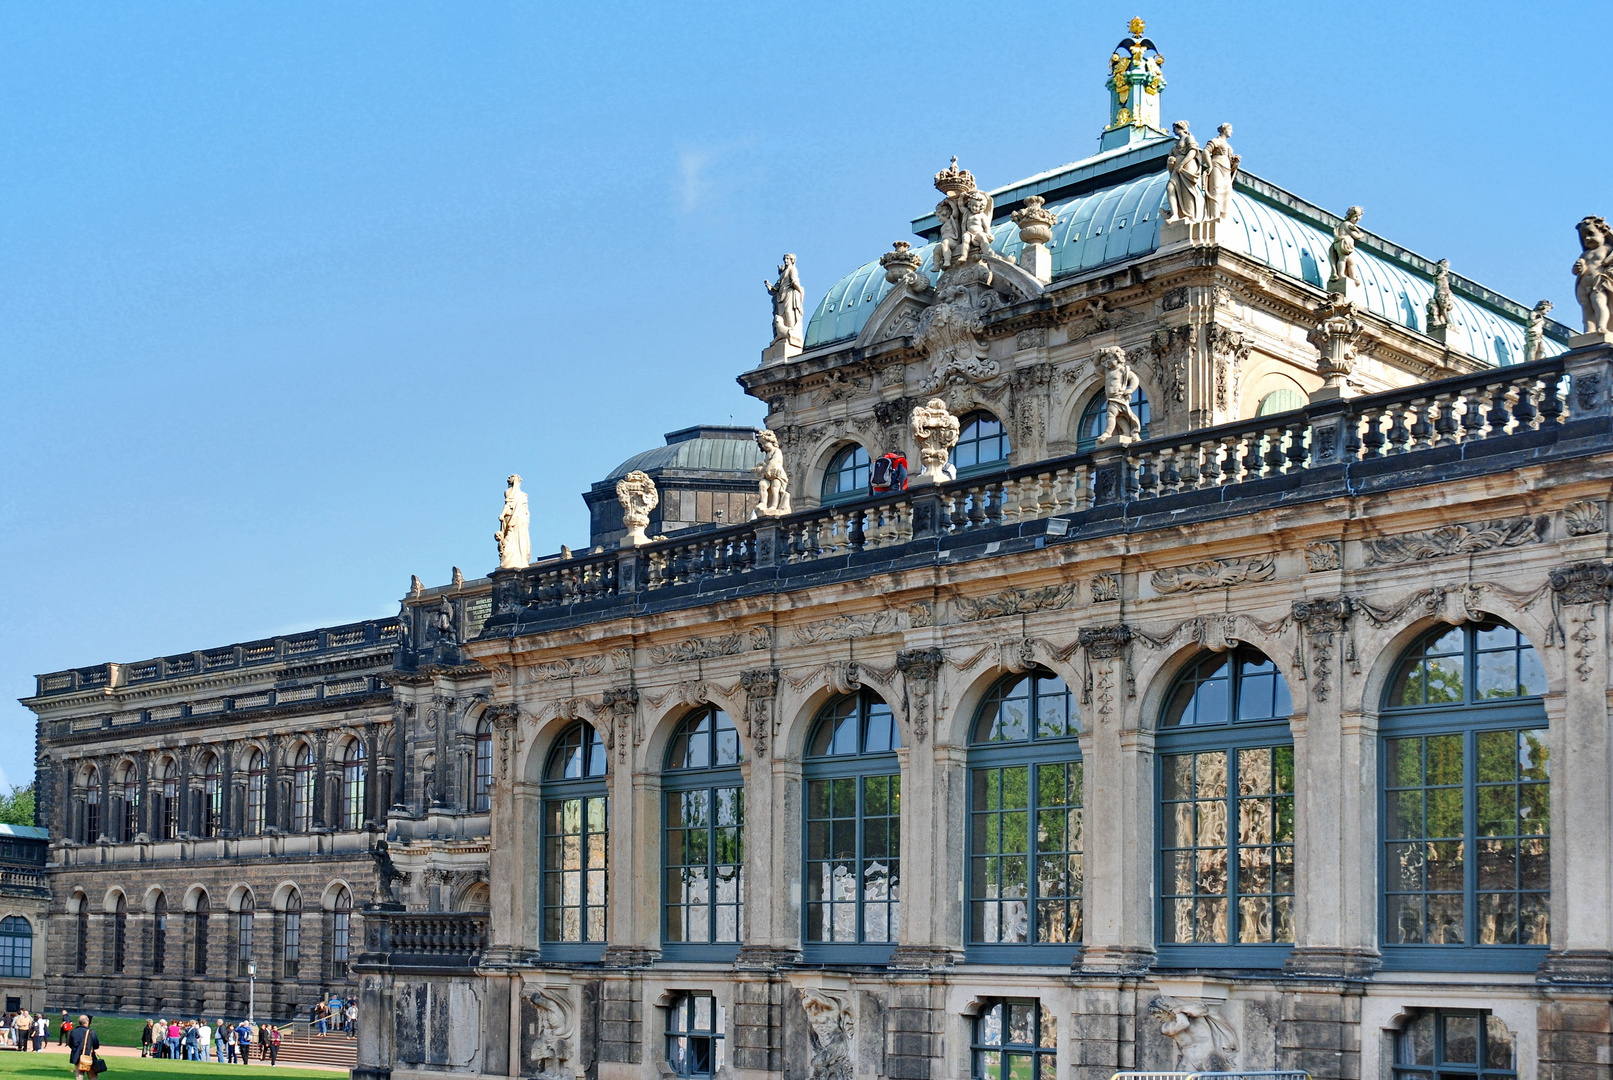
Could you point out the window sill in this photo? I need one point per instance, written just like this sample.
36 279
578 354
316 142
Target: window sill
1487 959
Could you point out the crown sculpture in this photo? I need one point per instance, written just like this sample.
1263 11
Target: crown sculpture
965 215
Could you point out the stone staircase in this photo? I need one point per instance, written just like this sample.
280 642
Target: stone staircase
334 1051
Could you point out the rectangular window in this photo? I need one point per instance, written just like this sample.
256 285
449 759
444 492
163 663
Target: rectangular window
853 859
1015 1039
243 941
1467 849
1026 874
159 943
574 869
291 944
212 807
1437 1044
340 937
1227 847
302 800
705 865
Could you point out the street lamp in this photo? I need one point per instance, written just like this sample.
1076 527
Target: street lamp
251 990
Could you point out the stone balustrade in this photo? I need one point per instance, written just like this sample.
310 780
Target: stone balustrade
409 939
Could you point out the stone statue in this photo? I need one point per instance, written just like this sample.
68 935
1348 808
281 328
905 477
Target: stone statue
514 543
1220 166
458 578
442 620
636 492
1439 305
416 586
1594 271
935 429
965 215
550 1034
1341 253
831 1024
1534 335
1119 384
386 872
1204 1041
1186 167
773 484
788 302
976 225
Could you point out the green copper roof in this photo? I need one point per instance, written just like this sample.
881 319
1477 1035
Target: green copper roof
698 449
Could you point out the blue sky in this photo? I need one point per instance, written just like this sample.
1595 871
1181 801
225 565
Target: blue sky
287 289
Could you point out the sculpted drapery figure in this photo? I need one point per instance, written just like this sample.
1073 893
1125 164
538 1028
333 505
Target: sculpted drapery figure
1119 384
773 484
1594 273
1204 1042
788 302
514 542
1341 254
636 492
935 429
1439 305
1186 168
1220 166
965 215
1534 335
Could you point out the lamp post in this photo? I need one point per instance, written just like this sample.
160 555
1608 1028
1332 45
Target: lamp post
251 990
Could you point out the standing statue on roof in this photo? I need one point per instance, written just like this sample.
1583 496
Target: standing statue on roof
1534 335
1220 166
788 302
773 483
514 543
1341 254
1594 269
1439 305
1186 168
1119 384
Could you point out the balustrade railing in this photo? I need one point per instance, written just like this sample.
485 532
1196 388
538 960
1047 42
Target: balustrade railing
1452 414
418 934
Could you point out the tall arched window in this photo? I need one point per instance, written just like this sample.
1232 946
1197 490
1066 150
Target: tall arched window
159 935
847 475
244 914
92 806
302 788
853 831
1026 873
257 783
128 801
291 935
1226 812
705 833
575 823
120 933
355 777
982 441
1466 810
198 933
1095 417
341 931
1281 400
483 788
16 948
212 796
170 799
81 933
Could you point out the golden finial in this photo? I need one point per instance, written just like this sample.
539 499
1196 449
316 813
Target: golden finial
1137 26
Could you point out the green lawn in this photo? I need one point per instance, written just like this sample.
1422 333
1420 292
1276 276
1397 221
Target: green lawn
54 1066
113 1030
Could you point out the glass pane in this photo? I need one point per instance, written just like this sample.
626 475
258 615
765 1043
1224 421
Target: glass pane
1415 1045
1462 1039
1497 1044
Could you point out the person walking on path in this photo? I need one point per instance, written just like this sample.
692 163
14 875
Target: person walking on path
63 1028
351 1013
263 1042
41 1032
145 1039
82 1043
274 1046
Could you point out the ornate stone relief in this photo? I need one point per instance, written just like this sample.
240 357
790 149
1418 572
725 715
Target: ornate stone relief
1170 347
1034 338
761 690
1104 648
1120 382
1336 333
550 1022
761 638
1582 587
919 668
1030 403
621 703
1469 539
1204 1041
565 669
1229 349
1104 588
829 1018
1321 622
1013 602
1174 299
948 331
921 614
1584 517
1096 314
1323 555
1214 574
636 492
697 649
843 676
845 628
935 430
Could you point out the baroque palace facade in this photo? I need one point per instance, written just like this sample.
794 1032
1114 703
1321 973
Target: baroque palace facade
1230 690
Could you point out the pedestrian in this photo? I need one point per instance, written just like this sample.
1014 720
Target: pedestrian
263 1042
81 1048
62 1029
232 1039
351 1013
274 1046
175 1033
41 1032
322 1018
243 1041
204 1041
145 1039
219 1039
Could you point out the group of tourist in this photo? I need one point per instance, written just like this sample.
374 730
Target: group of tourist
26 1031
196 1040
332 1015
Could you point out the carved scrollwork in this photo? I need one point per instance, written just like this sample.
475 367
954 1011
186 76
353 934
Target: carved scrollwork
1013 602
919 668
1214 574
1468 539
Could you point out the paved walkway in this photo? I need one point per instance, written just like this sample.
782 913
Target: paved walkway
134 1051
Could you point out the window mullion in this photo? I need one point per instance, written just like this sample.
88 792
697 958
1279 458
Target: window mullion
1470 845
1233 808
857 865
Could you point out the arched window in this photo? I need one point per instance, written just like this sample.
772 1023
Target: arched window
198 933
694 1035
1280 401
302 788
16 948
355 776
1015 1037
1026 873
1226 811
291 935
1467 793
575 823
341 931
847 475
257 781
483 788
170 799
159 935
129 801
705 832
81 933
981 442
853 830
120 933
244 914
212 796
92 806
1095 417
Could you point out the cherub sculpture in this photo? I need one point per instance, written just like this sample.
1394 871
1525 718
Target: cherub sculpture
1594 273
977 211
1341 253
1119 384
773 484
1204 1041
1534 335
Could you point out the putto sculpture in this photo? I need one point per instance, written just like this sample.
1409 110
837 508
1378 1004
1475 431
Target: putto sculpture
1204 1042
1122 424
788 303
636 492
1220 166
1186 168
773 483
1439 305
514 542
935 429
1594 273
965 214
1341 253
1534 334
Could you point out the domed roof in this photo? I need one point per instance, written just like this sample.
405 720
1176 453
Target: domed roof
708 448
1121 222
